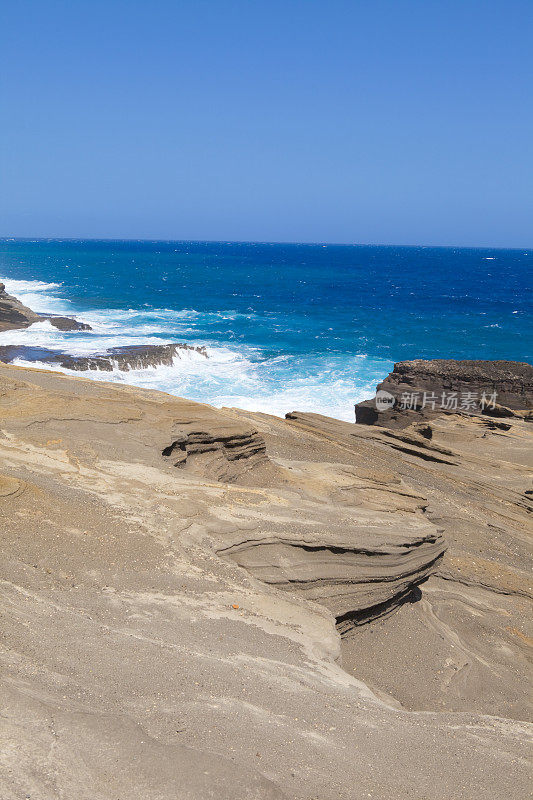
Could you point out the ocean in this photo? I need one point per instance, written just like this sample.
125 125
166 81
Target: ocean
308 327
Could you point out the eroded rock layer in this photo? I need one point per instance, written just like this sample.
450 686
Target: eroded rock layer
174 580
377 563
507 387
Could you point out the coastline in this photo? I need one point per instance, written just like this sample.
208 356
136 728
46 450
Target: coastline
235 373
266 501
205 571
359 311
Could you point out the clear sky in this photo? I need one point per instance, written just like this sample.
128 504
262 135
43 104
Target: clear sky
368 121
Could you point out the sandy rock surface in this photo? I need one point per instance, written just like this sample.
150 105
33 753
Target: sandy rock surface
201 603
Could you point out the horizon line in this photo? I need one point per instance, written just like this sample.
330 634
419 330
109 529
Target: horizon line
253 241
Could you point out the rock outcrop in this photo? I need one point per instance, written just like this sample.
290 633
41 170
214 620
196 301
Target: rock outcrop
468 627
68 324
425 389
358 576
121 358
195 602
131 357
14 314
222 452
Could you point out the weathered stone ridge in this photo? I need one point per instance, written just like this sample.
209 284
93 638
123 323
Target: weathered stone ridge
200 603
510 382
225 451
351 575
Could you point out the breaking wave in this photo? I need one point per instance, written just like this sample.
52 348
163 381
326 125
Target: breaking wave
38 295
234 375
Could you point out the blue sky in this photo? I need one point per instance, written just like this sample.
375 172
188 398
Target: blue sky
383 121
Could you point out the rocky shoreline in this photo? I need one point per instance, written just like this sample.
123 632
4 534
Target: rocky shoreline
14 315
422 390
122 358
225 603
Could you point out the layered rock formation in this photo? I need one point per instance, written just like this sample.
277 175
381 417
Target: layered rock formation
356 580
425 389
223 451
176 581
14 314
466 643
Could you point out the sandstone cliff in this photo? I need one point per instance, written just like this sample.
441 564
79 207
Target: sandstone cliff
197 601
425 389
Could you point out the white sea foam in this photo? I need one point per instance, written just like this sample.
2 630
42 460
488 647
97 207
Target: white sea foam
236 375
236 379
14 286
36 295
77 343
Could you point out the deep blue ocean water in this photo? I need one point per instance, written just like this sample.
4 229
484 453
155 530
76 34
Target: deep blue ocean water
287 326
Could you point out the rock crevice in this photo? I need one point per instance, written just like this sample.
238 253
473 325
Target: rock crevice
377 562
228 456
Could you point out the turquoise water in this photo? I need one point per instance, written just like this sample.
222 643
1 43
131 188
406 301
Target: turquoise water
308 327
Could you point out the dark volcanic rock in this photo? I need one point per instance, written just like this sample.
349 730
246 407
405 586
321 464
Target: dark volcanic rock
68 324
512 380
122 358
10 352
509 382
131 357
